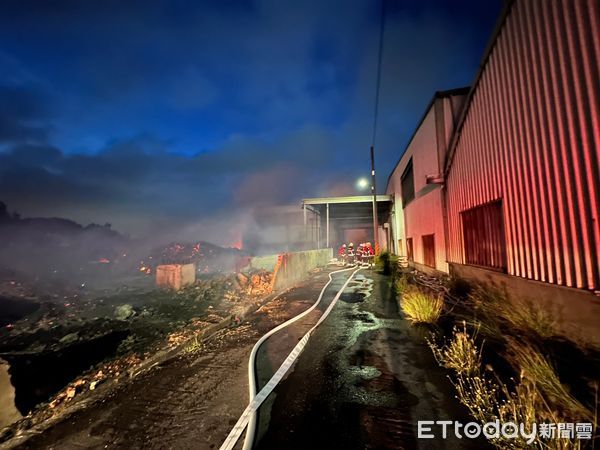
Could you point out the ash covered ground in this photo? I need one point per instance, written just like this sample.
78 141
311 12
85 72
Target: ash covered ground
79 306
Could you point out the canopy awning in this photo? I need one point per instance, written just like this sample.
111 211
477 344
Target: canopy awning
349 212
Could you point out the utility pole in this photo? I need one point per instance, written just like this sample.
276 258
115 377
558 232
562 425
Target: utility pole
375 114
374 192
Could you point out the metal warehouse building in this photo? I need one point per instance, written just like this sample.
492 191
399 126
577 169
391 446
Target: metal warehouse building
503 184
418 229
523 184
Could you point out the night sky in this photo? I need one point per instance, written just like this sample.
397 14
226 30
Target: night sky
168 114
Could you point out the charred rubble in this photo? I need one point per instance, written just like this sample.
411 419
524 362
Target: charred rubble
80 334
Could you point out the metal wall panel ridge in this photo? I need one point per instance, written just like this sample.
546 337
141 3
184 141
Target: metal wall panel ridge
530 136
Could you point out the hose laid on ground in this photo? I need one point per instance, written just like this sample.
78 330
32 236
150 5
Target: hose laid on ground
248 417
249 439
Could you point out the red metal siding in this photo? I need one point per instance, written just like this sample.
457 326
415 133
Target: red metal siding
531 137
483 234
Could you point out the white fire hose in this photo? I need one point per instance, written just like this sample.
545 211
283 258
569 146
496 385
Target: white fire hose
248 417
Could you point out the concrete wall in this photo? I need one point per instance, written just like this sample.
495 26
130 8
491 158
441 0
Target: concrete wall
294 267
577 311
268 262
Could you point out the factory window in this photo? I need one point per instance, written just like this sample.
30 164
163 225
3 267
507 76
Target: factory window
483 234
408 184
409 249
429 250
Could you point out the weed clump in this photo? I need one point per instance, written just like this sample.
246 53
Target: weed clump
494 309
460 354
420 307
193 346
536 368
537 397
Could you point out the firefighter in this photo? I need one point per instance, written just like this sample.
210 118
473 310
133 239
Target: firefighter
342 253
369 252
351 256
360 252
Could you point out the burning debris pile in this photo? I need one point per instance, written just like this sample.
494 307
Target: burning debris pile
77 306
256 283
208 258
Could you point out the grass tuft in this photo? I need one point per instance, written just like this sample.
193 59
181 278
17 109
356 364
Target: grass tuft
461 354
536 368
420 307
493 308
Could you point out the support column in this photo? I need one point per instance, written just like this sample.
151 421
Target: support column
318 217
374 192
306 237
327 246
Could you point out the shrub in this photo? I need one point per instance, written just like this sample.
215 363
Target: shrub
420 307
461 354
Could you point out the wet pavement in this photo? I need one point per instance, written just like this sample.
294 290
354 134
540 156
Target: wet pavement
363 381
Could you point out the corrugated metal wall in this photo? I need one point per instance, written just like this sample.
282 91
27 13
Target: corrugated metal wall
531 137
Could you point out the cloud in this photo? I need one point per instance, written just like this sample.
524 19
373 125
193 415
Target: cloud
149 114
23 114
130 181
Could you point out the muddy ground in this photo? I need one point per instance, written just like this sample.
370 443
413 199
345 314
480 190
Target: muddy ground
191 401
58 347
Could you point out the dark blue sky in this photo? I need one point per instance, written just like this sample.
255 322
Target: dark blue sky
146 113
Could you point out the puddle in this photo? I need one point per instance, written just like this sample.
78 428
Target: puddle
358 290
352 297
365 372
